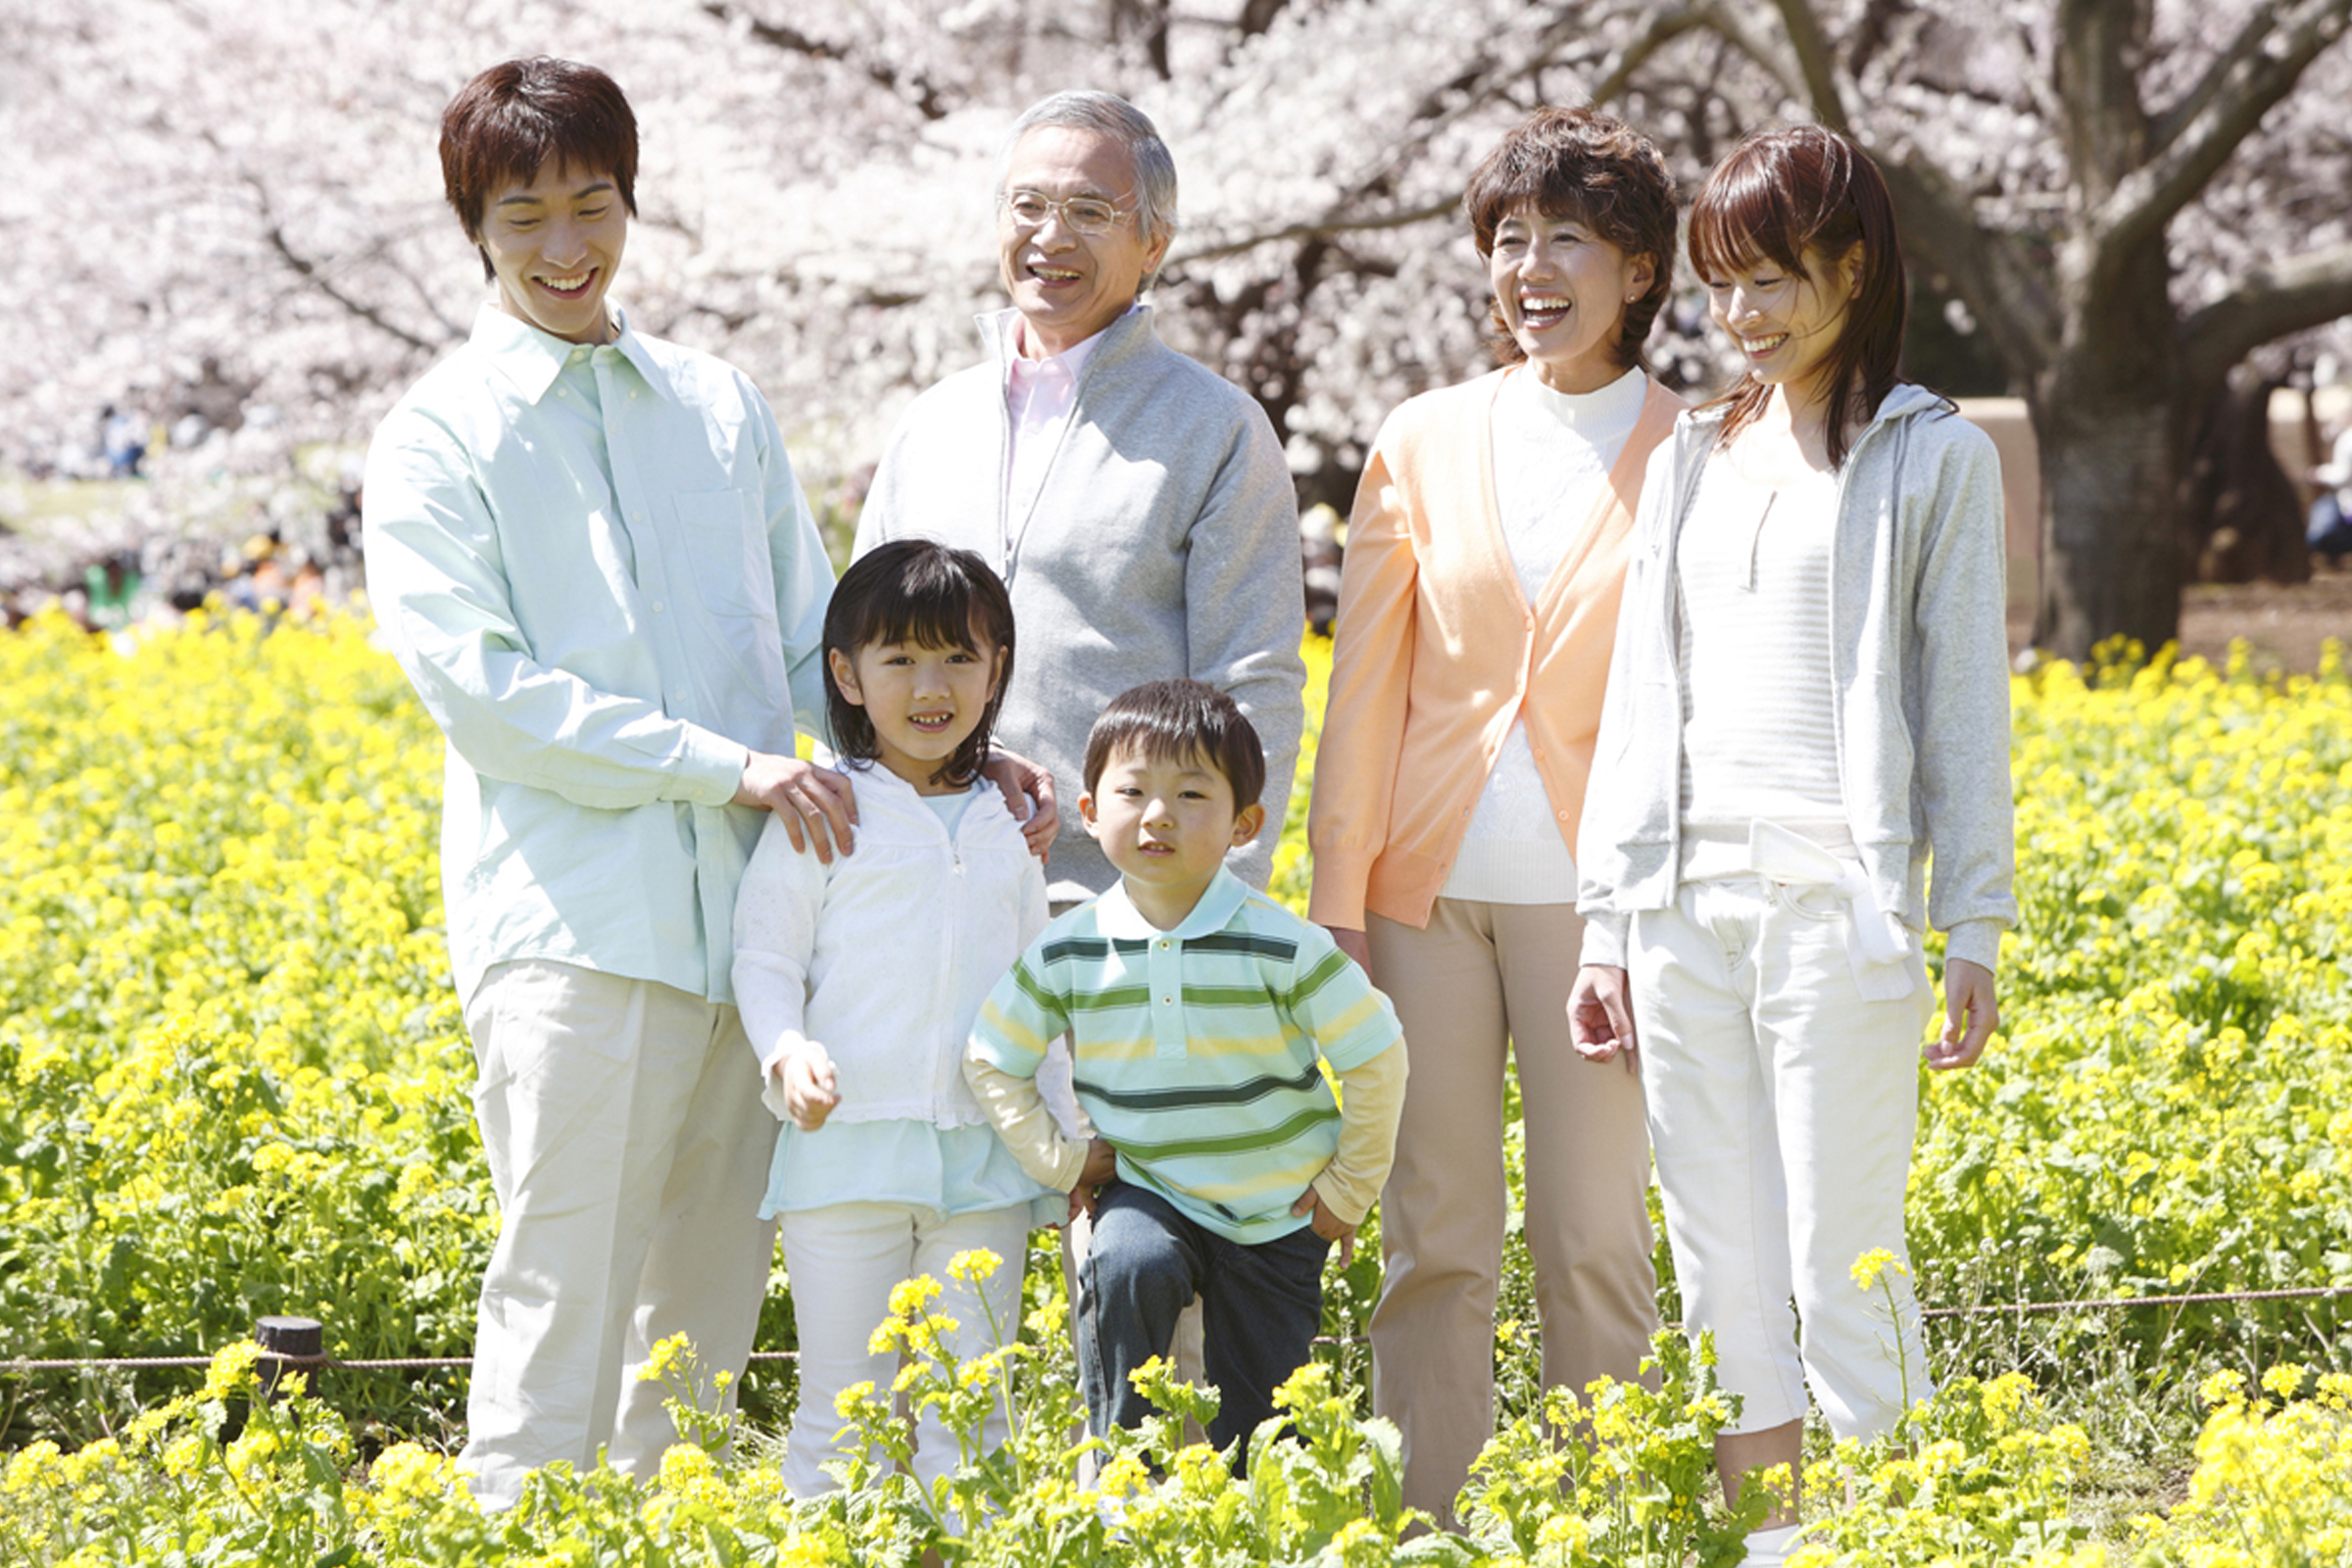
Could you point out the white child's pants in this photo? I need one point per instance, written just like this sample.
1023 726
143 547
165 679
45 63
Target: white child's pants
844 1260
629 1152
1782 1109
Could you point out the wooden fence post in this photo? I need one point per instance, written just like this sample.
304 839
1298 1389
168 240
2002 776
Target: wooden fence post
289 1344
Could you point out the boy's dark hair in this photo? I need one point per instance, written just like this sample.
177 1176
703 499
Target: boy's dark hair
917 591
509 121
1173 721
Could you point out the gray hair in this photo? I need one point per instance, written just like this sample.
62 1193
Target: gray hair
1109 115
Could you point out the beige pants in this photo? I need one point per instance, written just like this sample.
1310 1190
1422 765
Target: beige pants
1482 980
629 1153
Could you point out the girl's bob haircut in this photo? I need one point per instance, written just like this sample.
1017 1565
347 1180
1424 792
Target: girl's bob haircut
1801 199
1591 169
917 591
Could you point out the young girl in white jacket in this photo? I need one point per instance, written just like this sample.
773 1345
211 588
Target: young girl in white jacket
859 982
1810 693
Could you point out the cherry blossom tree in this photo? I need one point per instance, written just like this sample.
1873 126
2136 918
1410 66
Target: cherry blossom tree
233 205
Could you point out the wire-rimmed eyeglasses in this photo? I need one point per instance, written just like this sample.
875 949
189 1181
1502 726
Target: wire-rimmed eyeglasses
1080 215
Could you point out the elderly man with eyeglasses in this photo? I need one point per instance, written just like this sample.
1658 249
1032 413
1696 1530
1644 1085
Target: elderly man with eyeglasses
1136 503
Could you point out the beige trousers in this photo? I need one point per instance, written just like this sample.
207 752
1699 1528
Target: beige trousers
629 1153
1480 981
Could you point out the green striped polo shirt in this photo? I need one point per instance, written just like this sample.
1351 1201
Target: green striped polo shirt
1195 1048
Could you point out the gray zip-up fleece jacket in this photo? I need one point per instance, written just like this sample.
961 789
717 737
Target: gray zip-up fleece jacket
1164 542
1918 649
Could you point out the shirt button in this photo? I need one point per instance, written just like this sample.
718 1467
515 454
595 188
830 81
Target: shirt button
1167 1002
658 606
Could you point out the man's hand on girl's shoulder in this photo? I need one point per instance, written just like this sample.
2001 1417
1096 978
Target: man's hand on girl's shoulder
1029 792
814 803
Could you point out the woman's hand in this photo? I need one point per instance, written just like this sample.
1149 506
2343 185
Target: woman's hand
1352 943
1023 783
814 803
812 1090
1600 1015
1327 1224
1971 1013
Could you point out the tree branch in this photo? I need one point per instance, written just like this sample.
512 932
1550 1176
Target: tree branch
2304 291
1329 227
1618 67
1993 272
926 95
1816 62
1730 23
2135 211
309 271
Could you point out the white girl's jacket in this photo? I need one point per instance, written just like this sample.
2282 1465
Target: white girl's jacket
881 959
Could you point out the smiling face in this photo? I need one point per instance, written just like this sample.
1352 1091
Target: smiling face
922 702
1561 291
553 245
1166 824
1788 323
1069 286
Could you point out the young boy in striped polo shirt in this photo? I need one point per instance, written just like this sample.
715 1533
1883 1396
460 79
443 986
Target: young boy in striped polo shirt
1223 1165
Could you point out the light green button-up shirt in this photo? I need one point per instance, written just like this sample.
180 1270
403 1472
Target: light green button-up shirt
599 571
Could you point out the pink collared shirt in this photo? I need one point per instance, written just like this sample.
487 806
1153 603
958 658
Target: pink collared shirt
1039 394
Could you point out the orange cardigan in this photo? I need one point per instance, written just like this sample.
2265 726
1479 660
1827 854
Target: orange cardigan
1439 649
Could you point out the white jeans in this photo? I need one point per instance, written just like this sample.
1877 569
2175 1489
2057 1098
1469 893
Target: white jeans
629 1152
844 1260
1782 1109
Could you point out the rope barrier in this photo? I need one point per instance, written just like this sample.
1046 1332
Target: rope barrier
2204 1298
428 1363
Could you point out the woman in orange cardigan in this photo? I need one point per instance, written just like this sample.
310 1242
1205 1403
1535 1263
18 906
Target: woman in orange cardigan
1476 607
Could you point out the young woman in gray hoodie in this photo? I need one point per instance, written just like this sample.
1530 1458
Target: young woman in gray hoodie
1810 693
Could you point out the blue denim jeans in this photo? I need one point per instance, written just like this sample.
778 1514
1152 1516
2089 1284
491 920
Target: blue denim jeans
1261 1308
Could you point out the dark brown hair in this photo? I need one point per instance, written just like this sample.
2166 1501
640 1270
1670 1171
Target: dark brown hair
1801 199
507 122
1175 722
917 591
1594 169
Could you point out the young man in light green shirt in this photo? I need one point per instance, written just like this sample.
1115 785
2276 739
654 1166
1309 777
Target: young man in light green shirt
590 555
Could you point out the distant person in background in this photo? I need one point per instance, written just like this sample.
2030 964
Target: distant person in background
2330 531
123 442
1477 605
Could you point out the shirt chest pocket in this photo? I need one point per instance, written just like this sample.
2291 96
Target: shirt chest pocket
723 548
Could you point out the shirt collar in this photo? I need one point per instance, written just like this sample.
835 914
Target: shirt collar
530 360
1020 370
1116 915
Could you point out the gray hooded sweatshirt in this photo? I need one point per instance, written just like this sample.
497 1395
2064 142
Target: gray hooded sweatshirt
1919 653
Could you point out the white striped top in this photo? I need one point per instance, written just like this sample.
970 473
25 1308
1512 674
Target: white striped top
1759 736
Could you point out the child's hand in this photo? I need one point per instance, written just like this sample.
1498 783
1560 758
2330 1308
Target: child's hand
1101 1165
811 1090
1327 1224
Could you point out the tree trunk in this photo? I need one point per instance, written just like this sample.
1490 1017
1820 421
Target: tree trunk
2112 556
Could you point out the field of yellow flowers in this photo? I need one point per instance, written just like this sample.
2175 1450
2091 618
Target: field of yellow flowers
235 1084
